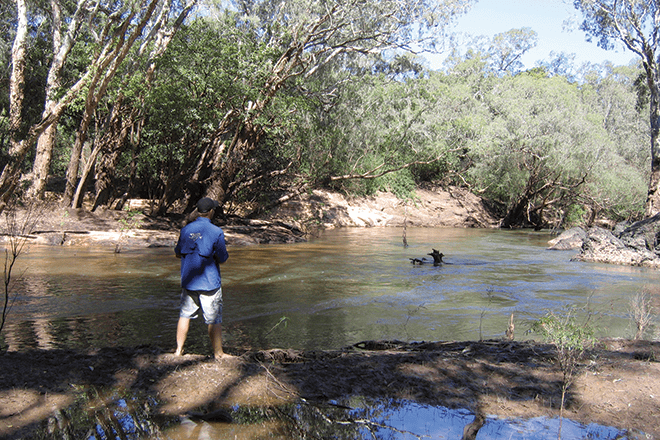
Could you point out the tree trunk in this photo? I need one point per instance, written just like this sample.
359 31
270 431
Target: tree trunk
134 139
79 195
17 148
115 139
186 184
103 140
516 214
46 142
42 160
653 198
104 179
17 79
227 164
74 160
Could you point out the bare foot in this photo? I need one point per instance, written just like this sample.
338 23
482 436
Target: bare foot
221 356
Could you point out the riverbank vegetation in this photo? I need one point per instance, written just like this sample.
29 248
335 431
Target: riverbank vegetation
259 101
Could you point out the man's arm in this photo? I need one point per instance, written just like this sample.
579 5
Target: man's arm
177 248
220 255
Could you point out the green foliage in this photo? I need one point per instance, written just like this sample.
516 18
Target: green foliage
498 56
401 184
357 119
282 323
547 141
619 191
423 124
574 215
570 337
206 80
131 220
508 47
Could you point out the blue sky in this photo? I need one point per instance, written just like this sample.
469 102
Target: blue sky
546 17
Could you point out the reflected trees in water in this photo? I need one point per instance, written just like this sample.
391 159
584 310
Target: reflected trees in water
16 234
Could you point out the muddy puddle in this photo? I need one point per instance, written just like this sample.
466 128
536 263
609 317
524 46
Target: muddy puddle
351 418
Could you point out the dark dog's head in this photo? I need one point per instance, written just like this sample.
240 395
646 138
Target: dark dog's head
437 256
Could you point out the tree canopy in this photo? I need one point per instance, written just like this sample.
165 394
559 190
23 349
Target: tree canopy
253 102
636 24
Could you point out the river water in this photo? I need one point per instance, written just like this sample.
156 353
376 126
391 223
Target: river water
343 287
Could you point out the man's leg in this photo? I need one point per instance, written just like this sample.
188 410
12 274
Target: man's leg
181 334
215 333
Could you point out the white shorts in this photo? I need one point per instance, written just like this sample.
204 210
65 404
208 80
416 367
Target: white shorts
210 301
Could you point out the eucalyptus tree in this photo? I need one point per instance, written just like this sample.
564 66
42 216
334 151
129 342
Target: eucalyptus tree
124 119
502 53
302 37
636 24
562 64
107 31
507 48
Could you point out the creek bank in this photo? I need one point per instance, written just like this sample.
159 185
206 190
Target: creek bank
431 207
616 384
292 221
630 244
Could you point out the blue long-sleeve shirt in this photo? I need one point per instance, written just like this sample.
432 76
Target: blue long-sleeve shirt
201 247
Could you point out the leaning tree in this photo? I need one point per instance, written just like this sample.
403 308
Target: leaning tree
307 36
108 32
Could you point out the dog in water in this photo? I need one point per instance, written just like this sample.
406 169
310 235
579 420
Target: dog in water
437 258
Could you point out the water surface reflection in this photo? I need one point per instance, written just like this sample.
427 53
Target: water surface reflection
379 419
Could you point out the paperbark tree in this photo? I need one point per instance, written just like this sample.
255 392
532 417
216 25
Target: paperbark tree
636 24
112 31
22 138
122 117
61 45
16 97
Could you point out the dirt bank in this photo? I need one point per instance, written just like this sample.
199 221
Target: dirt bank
50 224
431 207
616 384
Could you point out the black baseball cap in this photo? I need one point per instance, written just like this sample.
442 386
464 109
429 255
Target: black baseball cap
206 204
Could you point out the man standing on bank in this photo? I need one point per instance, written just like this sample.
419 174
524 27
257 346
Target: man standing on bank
202 249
